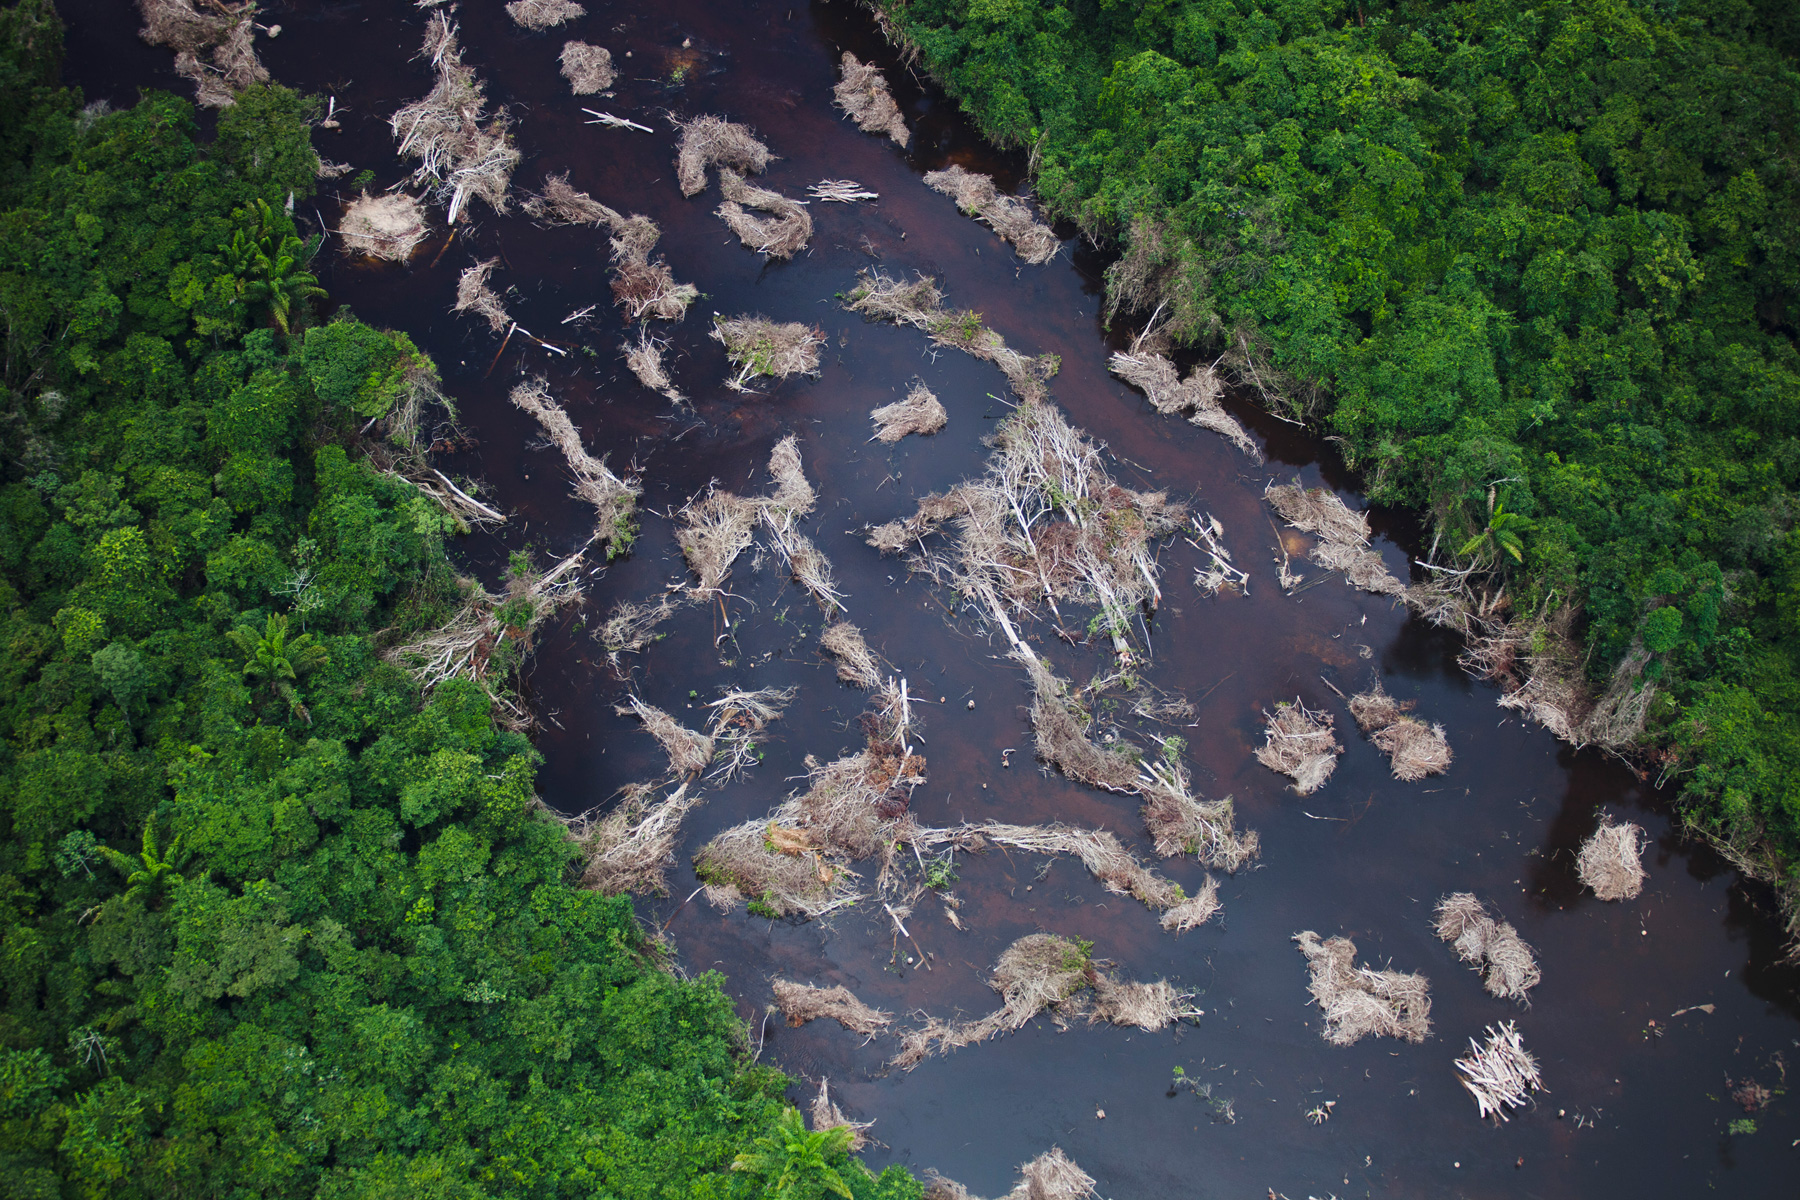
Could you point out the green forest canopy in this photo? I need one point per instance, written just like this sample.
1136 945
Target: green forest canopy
1536 267
271 923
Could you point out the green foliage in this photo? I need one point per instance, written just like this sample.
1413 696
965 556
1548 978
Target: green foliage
359 368
791 1162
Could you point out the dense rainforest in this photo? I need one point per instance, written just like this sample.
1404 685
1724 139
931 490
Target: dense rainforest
274 922
1535 268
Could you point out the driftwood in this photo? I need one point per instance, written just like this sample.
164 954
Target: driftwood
1343 535
1414 749
630 848
709 141
589 69
782 234
463 154
801 1003
225 34
614 500
473 295
920 412
761 348
1500 1074
827 1115
1197 397
1052 1175
389 226
543 14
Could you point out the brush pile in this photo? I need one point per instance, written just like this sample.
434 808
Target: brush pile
1609 861
920 304
921 412
689 752
715 528
707 142
1507 965
783 234
800 1003
1052 1175
719 526
226 33
473 295
1414 749
1008 216
1343 535
543 14
632 626
630 848
589 69
645 289
857 664
614 499
390 226
1220 574
739 724
761 348
1197 396
1299 743
863 94
827 1115
1501 1074
460 155
1357 1001
560 203
644 358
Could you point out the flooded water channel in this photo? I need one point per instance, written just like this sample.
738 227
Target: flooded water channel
1639 1099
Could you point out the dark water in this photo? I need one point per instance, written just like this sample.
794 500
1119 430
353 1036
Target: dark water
1629 1112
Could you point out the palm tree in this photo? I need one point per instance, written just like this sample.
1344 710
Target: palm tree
146 873
1502 533
270 269
790 1156
272 657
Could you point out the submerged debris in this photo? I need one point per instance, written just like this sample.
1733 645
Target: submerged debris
921 412
389 226
1414 749
628 849
1507 965
1198 395
589 69
1343 535
707 142
1358 1001
1009 216
801 1003
857 663
228 31
827 1115
1052 1175
1299 743
920 304
863 94
761 348
459 155
1500 1074
1608 862
543 14
614 499
473 295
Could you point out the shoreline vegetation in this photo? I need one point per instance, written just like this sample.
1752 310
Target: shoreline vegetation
1536 271
283 914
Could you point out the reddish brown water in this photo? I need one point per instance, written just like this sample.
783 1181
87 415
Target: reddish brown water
1633 1109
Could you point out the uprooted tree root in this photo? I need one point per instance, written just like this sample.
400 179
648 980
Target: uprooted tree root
1414 749
1358 1001
920 412
614 499
862 92
857 663
543 14
1501 1074
1052 1175
1343 535
1494 948
920 304
1198 396
390 226
709 141
825 1114
1609 861
760 348
226 33
782 234
801 1003
1299 743
461 155
474 295
630 848
1008 216
589 69
690 752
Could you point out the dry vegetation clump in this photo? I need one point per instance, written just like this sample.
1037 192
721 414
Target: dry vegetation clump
760 348
857 663
1609 861
1299 743
739 724
1008 216
644 289
226 33
707 142
460 154
827 1115
921 412
1343 535
614 499
632 626
1196 910
1358 1001
1220 574
589 69
1501 1074
560 203
644 357
801 1003
543 14
1049 1176
793 499
920 304
1197 396
863 94
690 752
473 295
715 529
1414 749
783 234
1540 666
1506 963
628 849
389 226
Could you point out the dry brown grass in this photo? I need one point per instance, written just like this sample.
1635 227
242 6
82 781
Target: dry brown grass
473 295
801 1003
1008 216
1507 965
863 94
632 626
389 226
1196 910
560 203
589 69
920 304
709 141
782 234
921 412
463 154
1501 1074
1358 1001
857 663
715 529
1343 536
614 500
645 359
630 848
1609 861
224 33
690 752
543 14
1414 749
1198 396
761 348
1299 743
